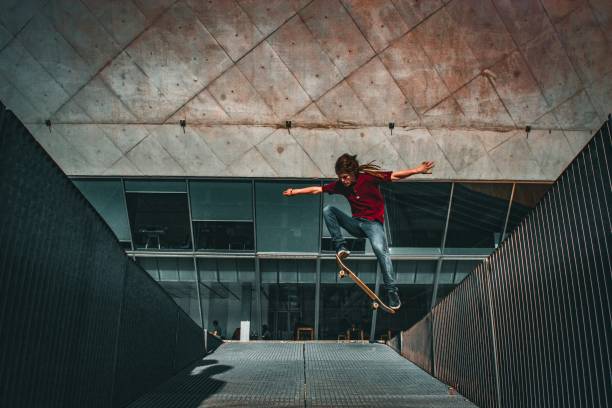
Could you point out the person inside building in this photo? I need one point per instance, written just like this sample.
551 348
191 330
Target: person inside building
265 333
216 329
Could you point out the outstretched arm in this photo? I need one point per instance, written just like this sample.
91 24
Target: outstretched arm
424 168
306 190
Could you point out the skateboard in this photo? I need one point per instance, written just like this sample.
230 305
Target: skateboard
376 302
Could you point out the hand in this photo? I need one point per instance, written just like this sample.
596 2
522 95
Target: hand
288 192
425 167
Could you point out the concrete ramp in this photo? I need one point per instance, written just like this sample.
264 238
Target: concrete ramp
274 374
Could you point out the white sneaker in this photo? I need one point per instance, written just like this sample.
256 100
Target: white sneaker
343 253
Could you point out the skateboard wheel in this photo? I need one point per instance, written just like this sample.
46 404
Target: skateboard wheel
375 305
341 274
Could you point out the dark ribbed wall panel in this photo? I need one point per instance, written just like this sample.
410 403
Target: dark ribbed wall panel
62 286
530 327
463 341
94 321
417 343
149 325
190 343
48 308
396 343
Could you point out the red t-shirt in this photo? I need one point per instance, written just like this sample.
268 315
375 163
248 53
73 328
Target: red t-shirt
364 195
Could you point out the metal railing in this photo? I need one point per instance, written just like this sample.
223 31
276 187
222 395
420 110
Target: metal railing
530 326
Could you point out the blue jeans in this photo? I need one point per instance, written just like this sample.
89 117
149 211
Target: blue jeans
361 228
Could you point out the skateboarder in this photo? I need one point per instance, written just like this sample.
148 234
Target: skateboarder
359 184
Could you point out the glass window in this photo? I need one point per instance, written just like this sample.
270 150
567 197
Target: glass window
526 196
345 312
451 274
477 217
454 271
227 290
149 265
288 311
463 269
178 269
222 214
168 269
307 271
106 196
246 270
416 213
286 224
288 270
225 305
207 269
186 296
425 271
447 272
365 269
226 269
329 271
155 186
355 245
343 305
416 300
226 236
405 271
159 220
269 270
221 200
205 295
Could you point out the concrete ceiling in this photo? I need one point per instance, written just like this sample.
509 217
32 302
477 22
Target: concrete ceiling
460 79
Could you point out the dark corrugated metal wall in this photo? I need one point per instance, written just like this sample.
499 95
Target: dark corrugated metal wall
463 342
417 344
530 327
80 323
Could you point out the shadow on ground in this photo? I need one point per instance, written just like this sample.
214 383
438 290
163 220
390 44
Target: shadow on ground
189 389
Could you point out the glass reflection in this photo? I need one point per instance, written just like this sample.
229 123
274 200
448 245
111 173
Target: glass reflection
214 200
286 224
526 196
228 304
416 213
227 291
477 216
159 220
345 313
106 196
229 236
288 311
415 305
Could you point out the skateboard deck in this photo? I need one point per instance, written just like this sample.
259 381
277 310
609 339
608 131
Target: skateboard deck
376 302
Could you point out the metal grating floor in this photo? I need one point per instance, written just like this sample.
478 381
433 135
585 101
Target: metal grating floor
293 374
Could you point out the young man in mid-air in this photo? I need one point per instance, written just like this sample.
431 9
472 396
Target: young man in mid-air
360 185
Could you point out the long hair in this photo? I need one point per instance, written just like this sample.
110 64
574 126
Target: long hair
348 163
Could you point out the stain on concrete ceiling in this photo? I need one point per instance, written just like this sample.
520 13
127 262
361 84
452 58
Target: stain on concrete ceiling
460 79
